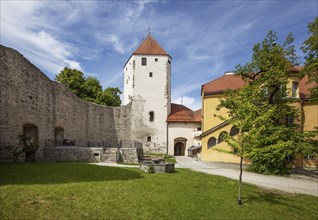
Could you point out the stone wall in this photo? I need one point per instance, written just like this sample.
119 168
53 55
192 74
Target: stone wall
65 153
27 96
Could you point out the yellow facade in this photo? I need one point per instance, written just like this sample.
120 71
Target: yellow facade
308 120
221 152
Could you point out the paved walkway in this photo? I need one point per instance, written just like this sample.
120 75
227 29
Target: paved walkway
114 165
287 184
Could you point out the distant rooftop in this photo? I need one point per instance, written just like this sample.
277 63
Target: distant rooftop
180 113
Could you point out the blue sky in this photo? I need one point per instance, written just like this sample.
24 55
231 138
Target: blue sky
204 38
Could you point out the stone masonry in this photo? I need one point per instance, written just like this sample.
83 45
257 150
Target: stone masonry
27 96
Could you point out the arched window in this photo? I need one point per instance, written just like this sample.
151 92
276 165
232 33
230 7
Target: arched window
151 116
221 137
234 131
211 142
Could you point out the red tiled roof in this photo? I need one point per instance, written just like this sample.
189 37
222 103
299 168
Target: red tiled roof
150 47
232 81
197 115
223 83
304 87
180 113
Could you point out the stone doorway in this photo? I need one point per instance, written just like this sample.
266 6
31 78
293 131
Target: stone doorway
31 133
59 136
179 146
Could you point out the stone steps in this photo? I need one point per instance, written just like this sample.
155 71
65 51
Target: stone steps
109 156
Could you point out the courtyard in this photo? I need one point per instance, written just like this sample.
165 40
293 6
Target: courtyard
86 191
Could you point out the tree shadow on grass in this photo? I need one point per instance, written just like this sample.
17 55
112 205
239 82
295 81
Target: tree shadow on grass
269 198
60 173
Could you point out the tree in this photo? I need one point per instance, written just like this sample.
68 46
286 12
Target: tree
310 48
258 109
25 145
89 88
73 78
110 96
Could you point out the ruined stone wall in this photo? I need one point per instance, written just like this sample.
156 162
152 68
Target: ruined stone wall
27 96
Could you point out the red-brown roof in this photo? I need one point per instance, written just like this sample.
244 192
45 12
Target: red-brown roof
150 47
197 115
180 113
304 87
231 81
225 82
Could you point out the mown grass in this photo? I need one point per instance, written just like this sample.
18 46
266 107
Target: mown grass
85 191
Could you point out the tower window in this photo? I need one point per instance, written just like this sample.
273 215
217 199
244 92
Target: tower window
169 62
294 89
150 74
156 59
151 116
149 138
144 61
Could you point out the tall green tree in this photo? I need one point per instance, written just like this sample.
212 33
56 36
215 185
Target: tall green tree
73 78
110 96
89 88
310 48
259 108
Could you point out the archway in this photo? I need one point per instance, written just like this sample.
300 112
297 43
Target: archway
31 133
179 149
59 136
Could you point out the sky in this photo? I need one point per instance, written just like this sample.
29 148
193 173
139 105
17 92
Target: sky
204 38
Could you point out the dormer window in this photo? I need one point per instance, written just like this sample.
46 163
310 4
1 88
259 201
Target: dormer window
295 86
144 61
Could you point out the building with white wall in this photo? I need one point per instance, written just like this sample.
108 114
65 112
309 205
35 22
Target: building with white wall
147 83
156 122
184 130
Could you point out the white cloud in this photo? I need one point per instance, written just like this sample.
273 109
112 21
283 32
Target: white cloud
187 101
113 40
21 29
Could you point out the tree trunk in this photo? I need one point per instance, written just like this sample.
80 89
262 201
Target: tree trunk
239 199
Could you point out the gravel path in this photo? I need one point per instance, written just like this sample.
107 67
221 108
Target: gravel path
287 184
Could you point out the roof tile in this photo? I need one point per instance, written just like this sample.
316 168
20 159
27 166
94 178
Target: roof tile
180 113
150 47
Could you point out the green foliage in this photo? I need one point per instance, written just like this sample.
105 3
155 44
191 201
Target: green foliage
151 169
73 78
110 97
89 88
310 48
258 109
25 145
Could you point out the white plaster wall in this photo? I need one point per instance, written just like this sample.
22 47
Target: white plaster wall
153 93
182 130
128 80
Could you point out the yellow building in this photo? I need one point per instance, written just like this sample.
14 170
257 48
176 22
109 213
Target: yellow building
213 146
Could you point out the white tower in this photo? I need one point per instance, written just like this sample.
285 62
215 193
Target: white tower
147 83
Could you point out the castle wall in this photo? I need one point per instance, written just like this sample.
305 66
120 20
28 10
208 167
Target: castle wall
27 96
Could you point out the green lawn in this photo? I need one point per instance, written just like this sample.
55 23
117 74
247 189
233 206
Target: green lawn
84 191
